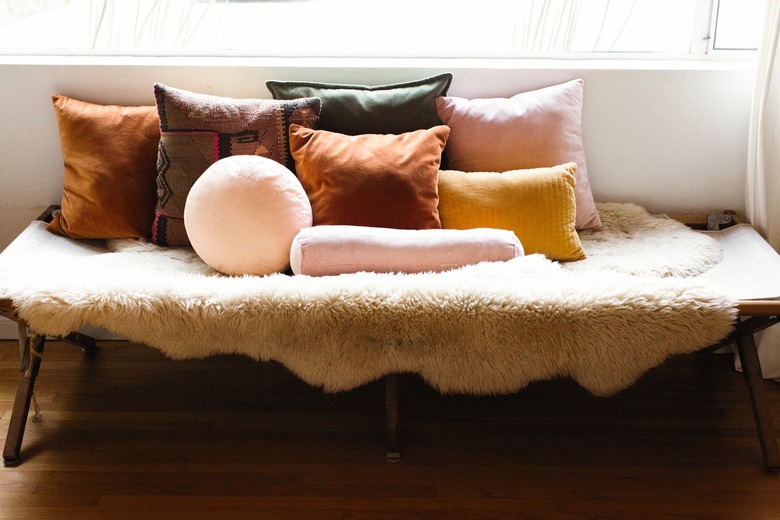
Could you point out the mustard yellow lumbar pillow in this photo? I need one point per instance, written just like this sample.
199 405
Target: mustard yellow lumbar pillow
537 204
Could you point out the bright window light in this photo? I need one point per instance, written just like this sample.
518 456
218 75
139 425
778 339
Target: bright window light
358 28
737 24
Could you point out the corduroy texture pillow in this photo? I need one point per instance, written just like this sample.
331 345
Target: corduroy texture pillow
333 250
110 154
243 213
360 109
537 204
198 130
371 180
534 129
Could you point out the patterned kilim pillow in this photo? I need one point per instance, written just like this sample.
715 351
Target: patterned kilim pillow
197 130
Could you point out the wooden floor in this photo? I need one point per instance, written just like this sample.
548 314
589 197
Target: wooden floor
128 434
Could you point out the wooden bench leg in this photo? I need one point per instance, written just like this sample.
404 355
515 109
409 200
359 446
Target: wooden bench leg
751 369
86 343
32 351
392 419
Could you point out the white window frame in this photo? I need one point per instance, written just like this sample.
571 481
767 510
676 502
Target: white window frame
703 37
715 14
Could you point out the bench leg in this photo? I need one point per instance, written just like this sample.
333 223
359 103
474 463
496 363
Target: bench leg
32 352
392 419
751 369
86 343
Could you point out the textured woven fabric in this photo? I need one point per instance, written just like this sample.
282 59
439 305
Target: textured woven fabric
197 130
538 205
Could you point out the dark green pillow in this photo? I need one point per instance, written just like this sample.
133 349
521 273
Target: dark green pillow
359 109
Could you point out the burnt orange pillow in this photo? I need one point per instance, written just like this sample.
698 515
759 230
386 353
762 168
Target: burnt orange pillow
379 180
110 155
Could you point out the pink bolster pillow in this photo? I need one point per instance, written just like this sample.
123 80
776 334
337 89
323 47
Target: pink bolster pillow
331 250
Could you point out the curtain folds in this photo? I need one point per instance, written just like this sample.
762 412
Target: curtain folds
763 169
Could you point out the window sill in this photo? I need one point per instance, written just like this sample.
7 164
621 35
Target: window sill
589 62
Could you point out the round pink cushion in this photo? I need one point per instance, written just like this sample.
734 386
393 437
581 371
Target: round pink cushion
242 214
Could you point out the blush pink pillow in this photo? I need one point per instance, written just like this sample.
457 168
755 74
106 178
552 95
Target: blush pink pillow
535 129
242 214
332 250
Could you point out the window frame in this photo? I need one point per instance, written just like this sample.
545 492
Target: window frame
701 47
712 49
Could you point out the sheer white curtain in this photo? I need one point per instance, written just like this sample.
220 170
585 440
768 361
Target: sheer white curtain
763 171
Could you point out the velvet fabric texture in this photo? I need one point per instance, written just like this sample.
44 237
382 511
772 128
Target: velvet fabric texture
535 129
109 154
537 204
243 213
360 109
371 180
334 250
198 130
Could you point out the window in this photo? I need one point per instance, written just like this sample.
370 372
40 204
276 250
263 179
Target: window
735 25
368 28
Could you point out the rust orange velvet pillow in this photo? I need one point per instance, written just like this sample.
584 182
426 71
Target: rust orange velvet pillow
110 156
379 180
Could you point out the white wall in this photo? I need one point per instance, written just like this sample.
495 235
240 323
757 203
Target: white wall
668 136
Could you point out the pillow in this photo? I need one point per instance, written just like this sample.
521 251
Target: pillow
243 213
109 179
538 205
359 109
533 129
332 250
199 129
371 180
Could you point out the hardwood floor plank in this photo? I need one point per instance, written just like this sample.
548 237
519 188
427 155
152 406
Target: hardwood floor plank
129 434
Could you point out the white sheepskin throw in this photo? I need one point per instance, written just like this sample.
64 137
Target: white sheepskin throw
632 241
481 329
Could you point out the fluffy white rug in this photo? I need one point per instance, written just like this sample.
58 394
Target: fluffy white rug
488 328
635 242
